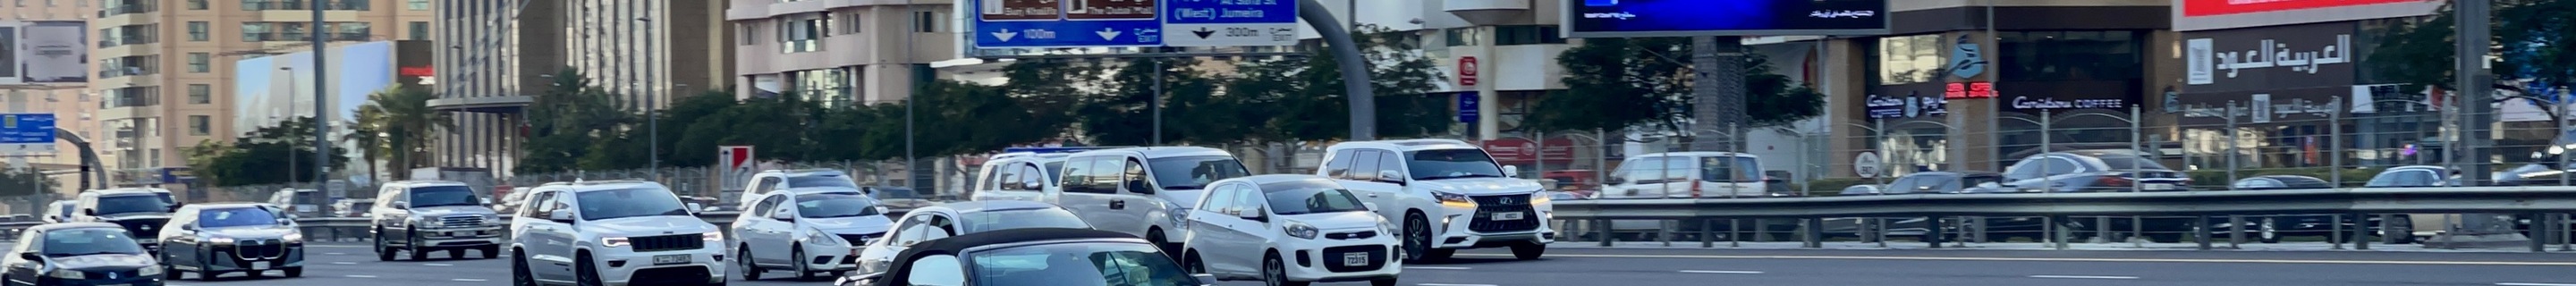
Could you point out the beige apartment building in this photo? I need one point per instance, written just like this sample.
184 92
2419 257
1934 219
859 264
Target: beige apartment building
499 53
71 103
839 52
164 68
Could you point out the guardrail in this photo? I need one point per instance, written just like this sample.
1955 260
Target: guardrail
2058 206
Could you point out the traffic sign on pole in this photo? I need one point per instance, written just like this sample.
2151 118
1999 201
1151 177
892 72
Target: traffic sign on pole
1130 23
26 132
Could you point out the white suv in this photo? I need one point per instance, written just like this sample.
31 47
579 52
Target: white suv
1290 230
773 180
1142 191
612 233
807 230
1444 195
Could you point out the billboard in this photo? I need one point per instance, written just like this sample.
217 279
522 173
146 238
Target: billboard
43 52
1678 18
2197 15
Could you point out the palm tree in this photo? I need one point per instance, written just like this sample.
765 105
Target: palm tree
370 141
405 121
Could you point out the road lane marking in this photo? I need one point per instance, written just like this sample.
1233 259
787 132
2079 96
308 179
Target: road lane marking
360 276
1721 272
345 263
437 264
468 280
1440 284
2273 261
2083 277
335 253
1435 268
341 246
2534 284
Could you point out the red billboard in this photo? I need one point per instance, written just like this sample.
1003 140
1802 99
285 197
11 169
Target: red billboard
1515 150
2197 8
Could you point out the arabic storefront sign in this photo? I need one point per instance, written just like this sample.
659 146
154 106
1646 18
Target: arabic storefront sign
2282 57
2297 106
1961 90
1905 106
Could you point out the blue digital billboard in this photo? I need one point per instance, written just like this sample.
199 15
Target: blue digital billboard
1678 18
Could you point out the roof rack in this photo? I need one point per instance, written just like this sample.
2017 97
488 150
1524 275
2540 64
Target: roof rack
1058 150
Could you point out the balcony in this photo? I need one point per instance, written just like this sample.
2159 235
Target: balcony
127 9
299 5
301 37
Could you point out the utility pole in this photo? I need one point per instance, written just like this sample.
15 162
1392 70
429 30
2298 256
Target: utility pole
321 98
2473 83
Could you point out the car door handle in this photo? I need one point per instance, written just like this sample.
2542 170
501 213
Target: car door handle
1117 204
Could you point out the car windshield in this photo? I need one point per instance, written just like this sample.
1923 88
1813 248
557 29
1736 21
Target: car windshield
438 196
232 217
2402 178
1745 169
1310 197
896 193
624 203
2130 162
832 205
1022 218
1079 264
64 210
1452 164
1195 172
110 205
833 180
89 241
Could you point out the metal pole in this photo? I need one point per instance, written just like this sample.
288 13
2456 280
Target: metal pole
2334 142
1541 163
2231 145
1880 128
1601 164
321 98
1355 71
1155 101
2472 78
911 163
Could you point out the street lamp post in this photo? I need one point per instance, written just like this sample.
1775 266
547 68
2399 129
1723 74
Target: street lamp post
321 99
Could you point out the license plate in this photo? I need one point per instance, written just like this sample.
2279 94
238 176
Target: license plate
1355 259
1507 216
2159 187
261 265
670 259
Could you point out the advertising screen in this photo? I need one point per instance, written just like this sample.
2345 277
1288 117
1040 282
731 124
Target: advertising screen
1674 18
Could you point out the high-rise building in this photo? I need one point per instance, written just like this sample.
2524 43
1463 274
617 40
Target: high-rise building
499 53
839 52
164 66
71 103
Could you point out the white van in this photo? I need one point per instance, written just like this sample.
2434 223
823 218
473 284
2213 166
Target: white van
1023 174
1143 191
1688 175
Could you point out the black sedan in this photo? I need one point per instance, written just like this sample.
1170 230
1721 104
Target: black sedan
80 253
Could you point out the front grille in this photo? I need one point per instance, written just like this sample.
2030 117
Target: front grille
461 220
668 242
685 275
143 227
118 274
1365 234
1487 206
1333 259
858 238
259 249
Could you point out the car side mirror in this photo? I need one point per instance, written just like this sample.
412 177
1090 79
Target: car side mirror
1035 186
31 256
695 207
1511 171
1205 279
487 202
399 205
1138 186
89 212
188 227
559 216
1253 215
782 216
1370 206
1990 185
1615 181
862 279
1390 176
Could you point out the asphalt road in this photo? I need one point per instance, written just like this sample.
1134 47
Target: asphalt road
342 264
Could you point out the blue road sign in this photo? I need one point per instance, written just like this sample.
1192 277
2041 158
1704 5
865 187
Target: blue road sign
26 132
1130 23
1467 109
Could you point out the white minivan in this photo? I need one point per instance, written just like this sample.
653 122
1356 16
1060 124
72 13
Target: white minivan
1143 191
1022 174
1688 175
1444 195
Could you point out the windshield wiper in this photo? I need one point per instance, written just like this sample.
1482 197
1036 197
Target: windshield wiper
1176 188
91 253
1458 177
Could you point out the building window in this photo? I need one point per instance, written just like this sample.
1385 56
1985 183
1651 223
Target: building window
1460 36
852 18
1527 35
750 33
255 32
1909 59
201 94
196 4
420 31
925 22
418 5
200 125
197 31
2070 55
198 62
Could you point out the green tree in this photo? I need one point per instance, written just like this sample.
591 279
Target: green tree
256 159
1617 83
677 149
1050 88
2531 34
1119 114
565 122
1302 98
397 121
28 181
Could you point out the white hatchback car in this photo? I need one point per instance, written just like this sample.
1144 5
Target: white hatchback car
1290 230
807 230
613 233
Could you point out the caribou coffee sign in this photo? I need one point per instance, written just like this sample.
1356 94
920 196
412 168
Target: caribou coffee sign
1907 106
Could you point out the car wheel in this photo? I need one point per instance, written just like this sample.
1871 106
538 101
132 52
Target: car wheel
1193 264
456 254
1417 239
797 257
383 252
519 275
294 272
490 252
586 274
202 258
1275 272
411 240
1528 250
750 272
1385 281
2269 233
1155 236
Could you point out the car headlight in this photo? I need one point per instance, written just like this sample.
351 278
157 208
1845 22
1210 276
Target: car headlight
219 240
818 237
1385 227
68 274
1178 214
883 210
147 271
1301 230
1454 199
714 236
293 237
613 242
1541 198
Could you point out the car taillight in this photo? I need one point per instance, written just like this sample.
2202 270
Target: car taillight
1695 189
2109 181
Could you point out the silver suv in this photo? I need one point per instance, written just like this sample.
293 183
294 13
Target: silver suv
613 233
425 216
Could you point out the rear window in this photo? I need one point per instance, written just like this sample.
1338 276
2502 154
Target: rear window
1730 169
2130 162
821 181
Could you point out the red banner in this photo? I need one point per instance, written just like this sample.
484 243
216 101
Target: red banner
2197 8
1515 150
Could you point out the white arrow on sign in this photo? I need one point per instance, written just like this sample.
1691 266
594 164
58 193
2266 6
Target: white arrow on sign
1109 34
1005 35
